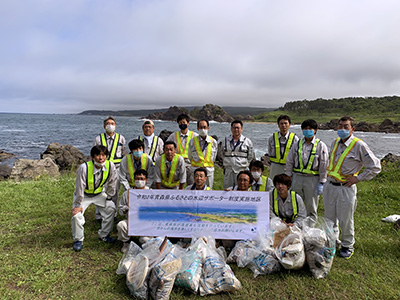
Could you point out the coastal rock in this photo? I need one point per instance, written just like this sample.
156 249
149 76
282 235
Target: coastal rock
5 155
214 113
65 156
164 134
170 115
386 126
5 172
391 158
265 160
332 124
31 168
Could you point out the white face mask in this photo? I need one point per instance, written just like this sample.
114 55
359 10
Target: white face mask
203 132
99 165
139 184
256 175
110 128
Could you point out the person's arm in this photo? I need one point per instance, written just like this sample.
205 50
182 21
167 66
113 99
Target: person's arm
80 185
292 155
182 172
301 212
150 171
111 184
123 204
323 162
123 173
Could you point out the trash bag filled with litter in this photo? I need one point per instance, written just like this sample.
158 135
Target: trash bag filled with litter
290 250
320 245
128 257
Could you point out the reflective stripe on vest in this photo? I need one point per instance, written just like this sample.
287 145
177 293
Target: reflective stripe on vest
240 153
112 156
131 167
294 206
202 162
334 168
310 161
179 144
263 187
90 184
154 144
277 159
169 181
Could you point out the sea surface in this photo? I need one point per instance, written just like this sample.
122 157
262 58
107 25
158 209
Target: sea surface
28 135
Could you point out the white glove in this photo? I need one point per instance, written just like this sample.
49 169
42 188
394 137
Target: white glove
319 188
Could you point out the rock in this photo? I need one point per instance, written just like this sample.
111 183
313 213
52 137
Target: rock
5 155
164 134
332 124
391 158
65 156
214 113
366 127
265 160
5 172
33 168
170 115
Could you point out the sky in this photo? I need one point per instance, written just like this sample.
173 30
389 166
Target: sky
67 56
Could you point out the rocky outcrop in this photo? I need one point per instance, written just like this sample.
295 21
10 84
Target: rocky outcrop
386 126
31 168
65 156
209 112
391 158
5 155
5 172
164 134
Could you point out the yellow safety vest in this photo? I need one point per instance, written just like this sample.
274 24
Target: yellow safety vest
307 168
278 159
334 168
91 189
154 144
183 151
263 187
112 156
169 181
294 205
203 161
131 167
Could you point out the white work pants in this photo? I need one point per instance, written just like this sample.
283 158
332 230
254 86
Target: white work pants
122 228
305 186
340 204
113 199
230 178
106 209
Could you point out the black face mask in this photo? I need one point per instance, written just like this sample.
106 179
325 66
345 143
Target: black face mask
183 126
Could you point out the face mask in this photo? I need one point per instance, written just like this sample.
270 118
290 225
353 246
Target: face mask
343 133
110 128
256 175
99 165
137 154
140 183
203 132
183 126
308 133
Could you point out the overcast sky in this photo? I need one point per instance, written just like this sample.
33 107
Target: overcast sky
68 56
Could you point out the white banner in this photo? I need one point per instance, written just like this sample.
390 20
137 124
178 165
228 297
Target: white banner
232 215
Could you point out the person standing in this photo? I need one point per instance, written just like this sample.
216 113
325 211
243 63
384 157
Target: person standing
115 144
134 161
348 156
238 152
181 139
95 184
279 145
170 170
307 161
203 150
153 145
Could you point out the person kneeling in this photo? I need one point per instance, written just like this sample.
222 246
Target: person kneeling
141 177
286 204
95 184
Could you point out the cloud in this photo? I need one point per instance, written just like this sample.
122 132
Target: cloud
69 56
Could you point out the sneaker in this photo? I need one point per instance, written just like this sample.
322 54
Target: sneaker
107 239
125 247
345 253
78 245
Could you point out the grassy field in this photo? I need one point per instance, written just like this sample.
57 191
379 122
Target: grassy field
37 260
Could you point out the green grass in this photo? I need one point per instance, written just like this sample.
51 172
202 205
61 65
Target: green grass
37 261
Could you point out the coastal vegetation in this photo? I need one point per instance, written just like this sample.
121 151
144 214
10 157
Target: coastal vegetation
37 260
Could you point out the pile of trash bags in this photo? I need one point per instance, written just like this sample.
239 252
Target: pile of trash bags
155 268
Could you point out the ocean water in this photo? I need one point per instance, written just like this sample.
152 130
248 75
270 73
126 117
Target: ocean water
28 135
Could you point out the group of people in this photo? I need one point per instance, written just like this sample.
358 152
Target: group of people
301 170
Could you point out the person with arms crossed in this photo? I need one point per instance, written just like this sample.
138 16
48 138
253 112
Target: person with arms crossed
238 152
348 156
307 161
95 184
279 145
181 139
170 170
203 150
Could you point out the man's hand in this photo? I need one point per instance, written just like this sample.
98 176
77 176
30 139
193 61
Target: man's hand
76 210
351 180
